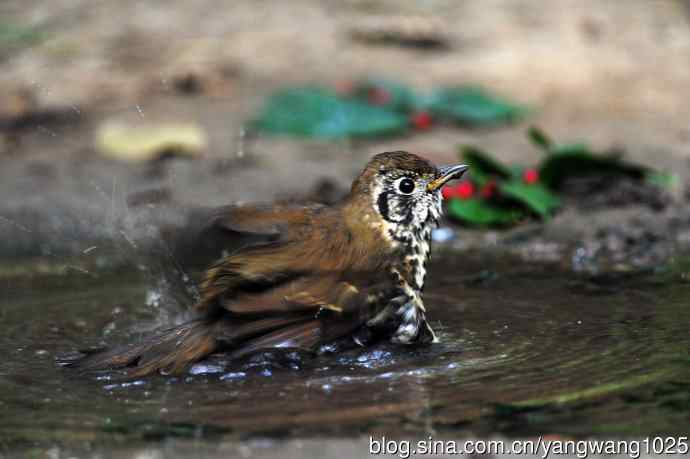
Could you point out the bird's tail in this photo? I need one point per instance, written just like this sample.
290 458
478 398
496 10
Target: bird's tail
174 350
170 351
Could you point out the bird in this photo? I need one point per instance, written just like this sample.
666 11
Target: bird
311 275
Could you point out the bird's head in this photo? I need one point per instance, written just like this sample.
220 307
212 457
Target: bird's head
404 189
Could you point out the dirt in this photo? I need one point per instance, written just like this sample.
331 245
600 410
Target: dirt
585 68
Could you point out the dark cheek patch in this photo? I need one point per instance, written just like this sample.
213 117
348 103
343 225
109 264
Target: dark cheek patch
382 203
400 213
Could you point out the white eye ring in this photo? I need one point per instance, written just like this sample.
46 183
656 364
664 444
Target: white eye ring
405 185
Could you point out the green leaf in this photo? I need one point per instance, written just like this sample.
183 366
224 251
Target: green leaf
663 180
483 166
535 196
576 161
570 148
539 138
472 105
543 141
318 112
479 212
400 97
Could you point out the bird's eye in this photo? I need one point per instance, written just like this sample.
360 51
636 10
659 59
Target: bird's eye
406 185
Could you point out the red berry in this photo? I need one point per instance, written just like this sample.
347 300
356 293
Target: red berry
421 120
488 190
378 96
530 176
447 192
464 190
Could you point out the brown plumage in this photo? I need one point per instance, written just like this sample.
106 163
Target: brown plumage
311 275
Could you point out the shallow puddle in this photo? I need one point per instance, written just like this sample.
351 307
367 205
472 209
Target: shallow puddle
525 349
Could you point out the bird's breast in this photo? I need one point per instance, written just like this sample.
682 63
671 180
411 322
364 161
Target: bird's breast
415 253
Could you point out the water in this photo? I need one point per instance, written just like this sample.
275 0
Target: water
525 349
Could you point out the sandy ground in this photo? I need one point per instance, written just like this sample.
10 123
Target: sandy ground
613 73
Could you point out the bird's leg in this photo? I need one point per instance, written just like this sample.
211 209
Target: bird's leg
410 318
434 338
388 312
404 317
412 322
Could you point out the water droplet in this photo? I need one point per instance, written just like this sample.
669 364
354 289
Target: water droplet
153 298
108 329
202 369
233 376
124 385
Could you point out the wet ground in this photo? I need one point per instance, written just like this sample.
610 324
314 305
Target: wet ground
526 348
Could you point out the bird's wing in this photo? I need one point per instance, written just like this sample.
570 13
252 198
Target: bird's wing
298 289
276 222
308 270
210 233
302 313
306 293
280 277
306 335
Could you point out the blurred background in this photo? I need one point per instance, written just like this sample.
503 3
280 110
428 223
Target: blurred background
119 119
613 74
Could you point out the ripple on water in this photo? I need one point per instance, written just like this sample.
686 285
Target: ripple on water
528 337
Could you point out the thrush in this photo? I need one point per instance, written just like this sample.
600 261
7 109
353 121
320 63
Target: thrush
311 275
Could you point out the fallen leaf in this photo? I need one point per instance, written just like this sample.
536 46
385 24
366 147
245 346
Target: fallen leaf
535 196
318 112
474 106
148 142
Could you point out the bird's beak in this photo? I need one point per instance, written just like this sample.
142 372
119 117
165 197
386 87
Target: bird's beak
447 173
